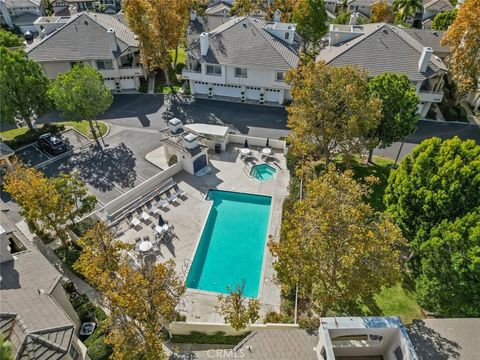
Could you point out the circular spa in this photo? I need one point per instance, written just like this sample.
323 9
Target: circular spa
262 172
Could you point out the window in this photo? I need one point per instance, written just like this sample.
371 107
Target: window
241 72
398 353
280 76
214 70
74 353
104 64
287 36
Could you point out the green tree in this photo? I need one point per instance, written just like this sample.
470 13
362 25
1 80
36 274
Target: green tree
342 18
5 349
334 247
331 113
81 94
311 19
405 8
443 20
39 200
75 194
243 7
237 310
23 87
142 298
9 39
437 181
399 107
449 281
462 39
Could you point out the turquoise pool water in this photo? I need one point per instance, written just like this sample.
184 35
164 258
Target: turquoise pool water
262 172
232 243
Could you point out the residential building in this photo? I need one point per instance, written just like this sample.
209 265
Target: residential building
36 315
446 339
430 8
381 48
111 6
364 7
98 40
213 17
21 13
244 59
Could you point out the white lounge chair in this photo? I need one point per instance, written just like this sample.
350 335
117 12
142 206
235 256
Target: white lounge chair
178 191
171 197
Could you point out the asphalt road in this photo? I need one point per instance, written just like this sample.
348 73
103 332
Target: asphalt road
152 111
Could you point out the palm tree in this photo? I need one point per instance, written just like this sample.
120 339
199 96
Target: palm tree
405 8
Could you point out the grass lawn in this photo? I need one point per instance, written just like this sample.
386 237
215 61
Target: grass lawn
12 134
161 85
399 301
182 55
81 126
84 127
380 169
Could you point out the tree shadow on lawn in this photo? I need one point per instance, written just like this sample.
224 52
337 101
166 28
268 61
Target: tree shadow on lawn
102 168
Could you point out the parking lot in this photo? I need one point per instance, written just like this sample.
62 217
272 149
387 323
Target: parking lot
112 170
33 155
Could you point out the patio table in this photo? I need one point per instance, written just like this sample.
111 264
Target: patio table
267 151
245 151
145 246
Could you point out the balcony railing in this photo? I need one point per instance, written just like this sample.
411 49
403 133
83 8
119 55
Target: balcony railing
431 96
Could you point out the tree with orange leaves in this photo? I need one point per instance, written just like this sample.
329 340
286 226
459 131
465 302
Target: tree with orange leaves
160 26
381 12
463 38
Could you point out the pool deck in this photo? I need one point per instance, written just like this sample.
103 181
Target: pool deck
228 173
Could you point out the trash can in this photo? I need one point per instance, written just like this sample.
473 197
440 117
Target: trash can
218 148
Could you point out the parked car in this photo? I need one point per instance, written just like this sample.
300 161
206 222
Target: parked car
52 144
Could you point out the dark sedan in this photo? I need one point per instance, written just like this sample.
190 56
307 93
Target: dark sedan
52 144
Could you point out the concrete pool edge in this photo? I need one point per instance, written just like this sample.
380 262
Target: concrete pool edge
264 247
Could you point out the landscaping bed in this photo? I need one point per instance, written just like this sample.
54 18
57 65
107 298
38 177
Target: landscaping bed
218 338
16 138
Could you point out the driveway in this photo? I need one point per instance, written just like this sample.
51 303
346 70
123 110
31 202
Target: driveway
152 111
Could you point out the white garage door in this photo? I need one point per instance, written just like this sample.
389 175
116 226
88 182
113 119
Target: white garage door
110 84
253 93
227 90
272 95
128 83
200 87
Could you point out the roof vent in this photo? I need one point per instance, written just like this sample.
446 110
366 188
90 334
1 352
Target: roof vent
85 22
175 125
244 25
384 31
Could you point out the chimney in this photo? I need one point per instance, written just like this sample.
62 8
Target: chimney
175 125
424 59
72 10
193 15
190 141
353 18
204 43
276 16
112 39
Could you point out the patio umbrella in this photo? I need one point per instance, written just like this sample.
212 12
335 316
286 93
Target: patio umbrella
268 143
161 222
246 144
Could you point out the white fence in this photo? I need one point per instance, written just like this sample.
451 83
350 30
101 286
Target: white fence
185 328
256 141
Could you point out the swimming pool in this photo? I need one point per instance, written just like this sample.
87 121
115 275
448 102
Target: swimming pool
232 243
262 172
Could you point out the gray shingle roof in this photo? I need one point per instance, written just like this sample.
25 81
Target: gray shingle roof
21 3
84 37
279 345
243 41
446 339
382 48
429 38
437 5
29 317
